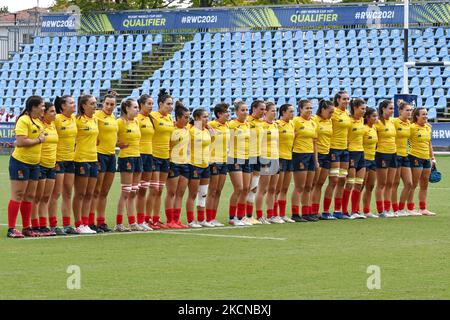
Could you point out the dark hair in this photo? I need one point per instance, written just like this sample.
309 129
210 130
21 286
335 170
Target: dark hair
255 104
338 96
416 113
284 108
82 100
368 114
356 103
180 109
323 104
196 114
110 95
220 108
59 101
383 105
32 101
163 96
125 104
143 99
301 104
48 105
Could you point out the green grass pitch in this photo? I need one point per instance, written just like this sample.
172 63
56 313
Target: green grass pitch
328 259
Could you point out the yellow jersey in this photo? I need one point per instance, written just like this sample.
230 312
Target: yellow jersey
402 136
386 136
305 133
147 132
370 142
48 151
420 138
107 133
286 136
324 133
200 142
239 139
130 134
341 122
164 127
270 140
219 141
356 135
31 129
179 145
67 134
255 136
86 141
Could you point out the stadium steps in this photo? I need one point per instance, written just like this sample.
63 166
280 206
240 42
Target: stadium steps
144 69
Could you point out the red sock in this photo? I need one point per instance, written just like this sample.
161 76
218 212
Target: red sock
140 218
35 223
379 206
200 215
155 219
119 219
25 210
249 210
91 218
366 210
315 208
85 220
43 222
282 206
345 200
232 211
326 205
190 216
209 215
275 208
13 212
356 197
241 210
100 221
53 222
295 210
422 205
131 219
269 213
66 221
147 218
77 224
337 204
169 215
410 206
305 210
401 206
214 214
259 214
176 214
395 207
387 205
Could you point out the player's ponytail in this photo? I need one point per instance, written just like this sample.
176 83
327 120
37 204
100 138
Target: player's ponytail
59 102
163 96
180 109
323 105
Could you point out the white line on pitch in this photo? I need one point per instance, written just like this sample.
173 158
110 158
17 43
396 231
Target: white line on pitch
225 236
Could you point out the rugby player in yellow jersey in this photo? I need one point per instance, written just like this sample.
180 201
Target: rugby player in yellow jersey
357 166
106 149
144 201
324 133
304 161
218 167
24 166
270 167
286 136
402 125
47 175
163 124
200 141
385 158
179 167
338 153
86 162
238 164
370 144
129 164
65 123
255 121
422 158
